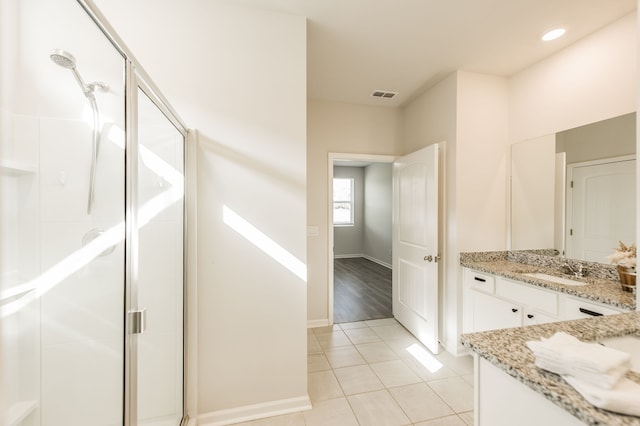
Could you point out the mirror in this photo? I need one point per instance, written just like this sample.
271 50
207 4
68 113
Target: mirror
574 191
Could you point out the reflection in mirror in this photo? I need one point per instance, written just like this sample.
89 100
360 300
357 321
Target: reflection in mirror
574 191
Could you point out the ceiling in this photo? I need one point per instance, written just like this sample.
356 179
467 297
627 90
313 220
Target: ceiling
355 47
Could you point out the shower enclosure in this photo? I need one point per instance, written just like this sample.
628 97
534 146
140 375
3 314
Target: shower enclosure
92 226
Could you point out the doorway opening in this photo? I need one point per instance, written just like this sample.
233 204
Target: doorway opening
360 237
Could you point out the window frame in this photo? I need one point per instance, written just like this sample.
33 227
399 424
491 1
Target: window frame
351 202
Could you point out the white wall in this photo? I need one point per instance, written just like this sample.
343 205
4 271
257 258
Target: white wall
469 112
482 161
533 184
239 76
589 81
378 210
335 127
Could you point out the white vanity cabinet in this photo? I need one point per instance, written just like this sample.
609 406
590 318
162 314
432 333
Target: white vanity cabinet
491 302
488 312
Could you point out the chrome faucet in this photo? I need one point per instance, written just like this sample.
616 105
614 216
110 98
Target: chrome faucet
577 271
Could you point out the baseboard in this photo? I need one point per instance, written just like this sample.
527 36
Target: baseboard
365 256
347 256
379 262
455 348
255 411
317 323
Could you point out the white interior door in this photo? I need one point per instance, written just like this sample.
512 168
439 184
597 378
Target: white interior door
415 244
601 208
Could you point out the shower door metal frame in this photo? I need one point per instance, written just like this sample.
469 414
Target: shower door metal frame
137 78
130 401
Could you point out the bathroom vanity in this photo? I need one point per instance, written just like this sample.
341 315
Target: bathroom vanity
509 389
508 300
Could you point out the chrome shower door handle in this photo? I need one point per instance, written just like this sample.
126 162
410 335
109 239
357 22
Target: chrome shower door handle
137 321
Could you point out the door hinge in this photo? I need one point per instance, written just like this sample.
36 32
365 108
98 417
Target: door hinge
571 184
571 231
137 321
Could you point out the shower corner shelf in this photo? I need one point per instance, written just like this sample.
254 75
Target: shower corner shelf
17 168
19 411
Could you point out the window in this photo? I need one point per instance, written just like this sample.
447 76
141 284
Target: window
342 201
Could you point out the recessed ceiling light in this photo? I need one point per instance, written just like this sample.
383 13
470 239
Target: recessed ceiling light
553 34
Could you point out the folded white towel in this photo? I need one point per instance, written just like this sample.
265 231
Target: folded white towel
604 380
623 398
589 362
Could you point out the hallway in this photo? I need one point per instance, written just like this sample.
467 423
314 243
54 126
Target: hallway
362 290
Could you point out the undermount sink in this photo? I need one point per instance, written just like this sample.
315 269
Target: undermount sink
629 344
554 279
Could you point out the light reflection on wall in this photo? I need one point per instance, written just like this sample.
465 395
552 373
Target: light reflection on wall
264 243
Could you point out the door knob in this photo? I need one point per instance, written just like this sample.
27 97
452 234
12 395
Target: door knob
428 258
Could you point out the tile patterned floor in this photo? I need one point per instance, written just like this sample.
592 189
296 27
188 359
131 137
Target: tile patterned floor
364 373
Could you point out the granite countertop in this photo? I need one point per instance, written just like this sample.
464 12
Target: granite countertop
603 290
506 350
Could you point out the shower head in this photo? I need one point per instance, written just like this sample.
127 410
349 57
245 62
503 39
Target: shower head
63 58
66 60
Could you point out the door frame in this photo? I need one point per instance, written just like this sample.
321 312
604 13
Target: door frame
332 157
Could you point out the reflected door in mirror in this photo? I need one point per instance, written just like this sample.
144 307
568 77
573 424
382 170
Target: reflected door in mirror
601 207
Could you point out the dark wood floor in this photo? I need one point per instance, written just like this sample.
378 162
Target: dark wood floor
361 290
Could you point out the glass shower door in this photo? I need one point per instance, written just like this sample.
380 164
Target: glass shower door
62 257
160 272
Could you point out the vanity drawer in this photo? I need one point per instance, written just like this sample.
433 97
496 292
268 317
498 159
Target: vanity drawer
539 299
575 308
478 281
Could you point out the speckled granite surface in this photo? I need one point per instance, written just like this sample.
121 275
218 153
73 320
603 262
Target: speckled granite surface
602 280
506 350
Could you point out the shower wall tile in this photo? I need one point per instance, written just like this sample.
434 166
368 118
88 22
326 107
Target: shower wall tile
26 138
10 231
20 137
6 132
87 372
81 305
109 196
20 198
21 354
65 161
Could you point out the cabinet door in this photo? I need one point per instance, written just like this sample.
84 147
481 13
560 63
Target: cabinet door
490 312
533 318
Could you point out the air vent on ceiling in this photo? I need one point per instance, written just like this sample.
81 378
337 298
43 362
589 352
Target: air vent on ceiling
383 94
